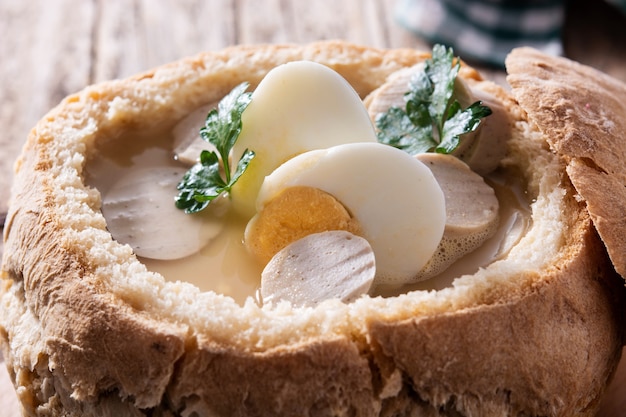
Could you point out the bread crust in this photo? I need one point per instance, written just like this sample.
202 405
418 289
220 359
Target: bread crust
88 331
583 113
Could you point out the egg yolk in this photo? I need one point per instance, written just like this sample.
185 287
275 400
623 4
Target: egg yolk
294 213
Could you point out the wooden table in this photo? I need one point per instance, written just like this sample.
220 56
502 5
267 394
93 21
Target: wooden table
51 48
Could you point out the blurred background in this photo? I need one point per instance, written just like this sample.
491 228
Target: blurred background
51 48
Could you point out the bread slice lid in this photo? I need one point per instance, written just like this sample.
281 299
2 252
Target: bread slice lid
582 113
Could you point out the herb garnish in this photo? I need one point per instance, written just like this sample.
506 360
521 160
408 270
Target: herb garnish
204 181
431 120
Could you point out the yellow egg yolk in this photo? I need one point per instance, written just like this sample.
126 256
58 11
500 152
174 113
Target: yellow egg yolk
293 214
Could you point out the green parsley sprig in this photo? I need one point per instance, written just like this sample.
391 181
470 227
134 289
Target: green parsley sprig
213 176
431 120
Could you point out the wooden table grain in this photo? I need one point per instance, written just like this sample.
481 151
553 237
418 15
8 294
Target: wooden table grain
51 48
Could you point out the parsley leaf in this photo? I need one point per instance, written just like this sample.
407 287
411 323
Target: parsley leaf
432 119
204 182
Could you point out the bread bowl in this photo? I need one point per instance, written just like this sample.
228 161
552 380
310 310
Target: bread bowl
87 330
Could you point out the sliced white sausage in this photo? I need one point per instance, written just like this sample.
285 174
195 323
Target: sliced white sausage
320 266
187 141
140 211
472 211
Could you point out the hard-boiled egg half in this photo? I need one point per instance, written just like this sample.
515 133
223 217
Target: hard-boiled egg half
394 199
297 107
309 129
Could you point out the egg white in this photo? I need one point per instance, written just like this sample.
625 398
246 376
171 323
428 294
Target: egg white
297 107
394 197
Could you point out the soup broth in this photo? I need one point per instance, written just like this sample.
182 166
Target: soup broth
225 266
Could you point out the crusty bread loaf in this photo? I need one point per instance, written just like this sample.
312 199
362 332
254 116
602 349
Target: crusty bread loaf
88 331
583 114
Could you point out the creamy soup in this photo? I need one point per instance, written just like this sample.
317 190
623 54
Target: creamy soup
225 266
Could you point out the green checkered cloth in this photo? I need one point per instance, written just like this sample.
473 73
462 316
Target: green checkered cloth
486 30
